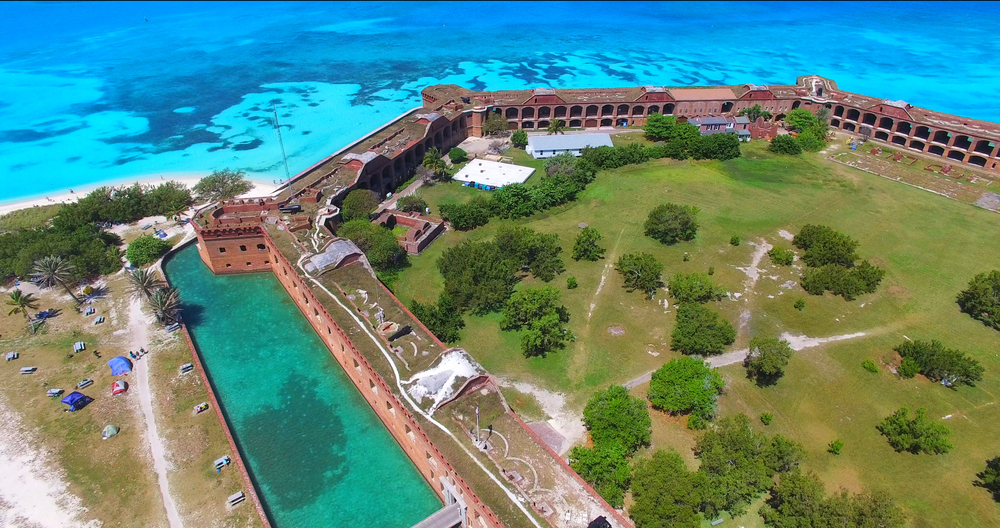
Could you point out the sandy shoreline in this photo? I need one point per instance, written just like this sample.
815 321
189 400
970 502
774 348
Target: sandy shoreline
261 188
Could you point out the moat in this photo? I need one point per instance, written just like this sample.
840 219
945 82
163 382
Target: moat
319 455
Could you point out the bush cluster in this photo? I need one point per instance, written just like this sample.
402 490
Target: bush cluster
377 242
830 256
781 256
146 249
695 287
938 363
413 203
684 140
641 271
981 299
670 223
919 435
358 204
685 385
700 331
538 312
443 318
125 204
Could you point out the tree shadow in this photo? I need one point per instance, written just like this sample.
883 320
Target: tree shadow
192 314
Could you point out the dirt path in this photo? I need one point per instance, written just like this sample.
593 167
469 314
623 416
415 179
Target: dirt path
565 421
604 275
138 326
797 342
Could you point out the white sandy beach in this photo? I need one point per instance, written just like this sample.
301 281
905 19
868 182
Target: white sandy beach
261 188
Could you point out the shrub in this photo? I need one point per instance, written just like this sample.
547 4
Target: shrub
766 361
87 290
700 331
538 313
800 304
513 201
412 203
658 126
614 417
938 363
908 368
870 366
470 215
604 467
640 271
685 385
695 287
536 252
664 493
587 245
377 242
735 240
671 223
990 478
571 283
848 283
766 418
981 299
718 147
835 447
781 256
711 270
824 246
812 140
697 423
478 276
800 119
146 250
442 319
359 203
519 139
686 257
785 145
222 185
919 435
457 155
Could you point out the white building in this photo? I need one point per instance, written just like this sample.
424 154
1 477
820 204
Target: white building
490 175
547 146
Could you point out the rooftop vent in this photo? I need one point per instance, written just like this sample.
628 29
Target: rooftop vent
655 89
757 87
897 104
543 91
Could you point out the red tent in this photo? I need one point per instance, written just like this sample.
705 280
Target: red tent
118 387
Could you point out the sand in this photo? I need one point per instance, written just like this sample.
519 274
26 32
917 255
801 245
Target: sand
33 489
189 179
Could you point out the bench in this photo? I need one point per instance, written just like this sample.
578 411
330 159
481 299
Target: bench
28 370
187 367
52 393
85 383
236 498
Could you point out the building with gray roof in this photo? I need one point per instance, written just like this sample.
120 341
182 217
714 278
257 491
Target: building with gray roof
541 147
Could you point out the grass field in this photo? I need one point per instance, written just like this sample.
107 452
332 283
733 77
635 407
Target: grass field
929 245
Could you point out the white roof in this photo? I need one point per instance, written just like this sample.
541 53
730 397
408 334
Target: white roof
568 141
493 173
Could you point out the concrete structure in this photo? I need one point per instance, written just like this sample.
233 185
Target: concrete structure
421 230
547 146
492 175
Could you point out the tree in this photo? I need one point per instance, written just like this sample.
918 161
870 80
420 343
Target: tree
146 249
457 155
587 245
143 283
939 363
755 111
52 270
478 276
685 385
686 136
658 126
641 271
694 287
377 242
785 144
495 125
434 162
534 251
470 215
519 138
359 204
556 126
613 417
990 478
767 359
781 256
413 203
222 184
22 302
537 311
670 223
605 468
800 119
798 500
442 319
165 304
718 147
665 494
981 299
700 331
513 201
919 435
823 246
739 464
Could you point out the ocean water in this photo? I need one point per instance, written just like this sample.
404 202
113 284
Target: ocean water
319 454
96 92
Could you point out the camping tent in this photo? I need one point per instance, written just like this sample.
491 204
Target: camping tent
120 365
76 401
118 387
109 431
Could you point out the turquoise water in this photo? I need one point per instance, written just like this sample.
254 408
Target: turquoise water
319 454
94 92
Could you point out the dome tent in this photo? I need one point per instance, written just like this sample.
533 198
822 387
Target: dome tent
118 387
120 365
76 401
109 431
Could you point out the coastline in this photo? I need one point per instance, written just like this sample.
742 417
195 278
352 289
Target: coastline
189 179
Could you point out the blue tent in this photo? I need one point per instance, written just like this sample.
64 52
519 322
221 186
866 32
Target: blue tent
120 365
77 401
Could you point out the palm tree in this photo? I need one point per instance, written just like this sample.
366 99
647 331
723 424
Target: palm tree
53 270
165 304
556 126
143 283
434 161
22 302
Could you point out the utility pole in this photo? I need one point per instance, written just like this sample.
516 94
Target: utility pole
277 127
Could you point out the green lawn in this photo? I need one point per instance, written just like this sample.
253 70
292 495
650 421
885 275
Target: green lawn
929 245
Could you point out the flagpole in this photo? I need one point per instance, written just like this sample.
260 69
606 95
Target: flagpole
477 426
